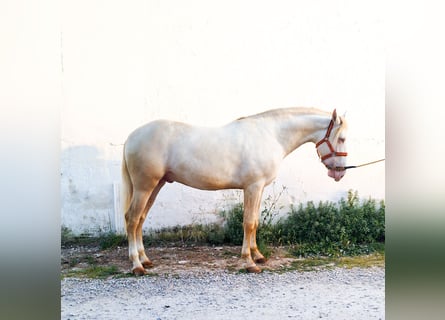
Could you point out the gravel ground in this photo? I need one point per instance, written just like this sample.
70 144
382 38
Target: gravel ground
328 294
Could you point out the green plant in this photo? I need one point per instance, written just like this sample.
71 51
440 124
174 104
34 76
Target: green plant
195 233
267 229
69 238
347 228
233 228
111 240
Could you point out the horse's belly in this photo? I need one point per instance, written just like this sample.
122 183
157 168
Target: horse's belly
208 184
222 174
201 178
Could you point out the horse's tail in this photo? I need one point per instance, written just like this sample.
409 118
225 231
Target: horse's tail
127 188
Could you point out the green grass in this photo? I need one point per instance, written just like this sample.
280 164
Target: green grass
95 272
101 272
365 261
312 264
376 259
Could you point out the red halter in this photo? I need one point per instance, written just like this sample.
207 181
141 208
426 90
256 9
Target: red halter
326 140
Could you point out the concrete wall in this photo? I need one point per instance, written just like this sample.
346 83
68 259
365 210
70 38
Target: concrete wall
125 63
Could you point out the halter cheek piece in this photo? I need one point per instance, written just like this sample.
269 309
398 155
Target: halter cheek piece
333 153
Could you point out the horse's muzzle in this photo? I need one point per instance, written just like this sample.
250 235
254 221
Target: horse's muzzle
336 174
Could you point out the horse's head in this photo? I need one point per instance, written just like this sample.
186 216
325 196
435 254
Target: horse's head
332 148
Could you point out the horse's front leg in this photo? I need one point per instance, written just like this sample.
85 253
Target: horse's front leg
252 200
255 252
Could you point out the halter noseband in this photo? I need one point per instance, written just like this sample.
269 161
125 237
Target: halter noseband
333 153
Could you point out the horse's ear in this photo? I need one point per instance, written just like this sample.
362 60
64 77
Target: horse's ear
334 115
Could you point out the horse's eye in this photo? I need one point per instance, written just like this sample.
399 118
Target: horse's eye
341 140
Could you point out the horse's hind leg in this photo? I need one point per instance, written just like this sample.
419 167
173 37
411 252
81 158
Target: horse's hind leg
146 263
132 219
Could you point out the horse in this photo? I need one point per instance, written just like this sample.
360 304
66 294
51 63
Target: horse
243 154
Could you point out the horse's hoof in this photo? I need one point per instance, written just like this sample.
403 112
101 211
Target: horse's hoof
253 269
147 264
261 260
138 271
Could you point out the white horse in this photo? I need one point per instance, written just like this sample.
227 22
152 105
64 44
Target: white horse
244 154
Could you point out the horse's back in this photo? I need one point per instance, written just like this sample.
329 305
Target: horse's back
155 134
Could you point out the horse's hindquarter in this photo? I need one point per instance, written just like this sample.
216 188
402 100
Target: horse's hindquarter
227 157
146 151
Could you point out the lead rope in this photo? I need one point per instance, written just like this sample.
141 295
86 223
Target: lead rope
352 167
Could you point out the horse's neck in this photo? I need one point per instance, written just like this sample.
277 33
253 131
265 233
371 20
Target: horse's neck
295 130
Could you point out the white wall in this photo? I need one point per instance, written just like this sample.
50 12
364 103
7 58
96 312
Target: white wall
125 63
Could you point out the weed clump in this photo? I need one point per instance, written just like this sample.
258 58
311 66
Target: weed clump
348 227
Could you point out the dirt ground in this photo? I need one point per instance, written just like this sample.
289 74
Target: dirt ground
204 282
168 259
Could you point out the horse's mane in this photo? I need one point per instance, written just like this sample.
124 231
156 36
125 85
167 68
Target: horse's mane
295 111
285 112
